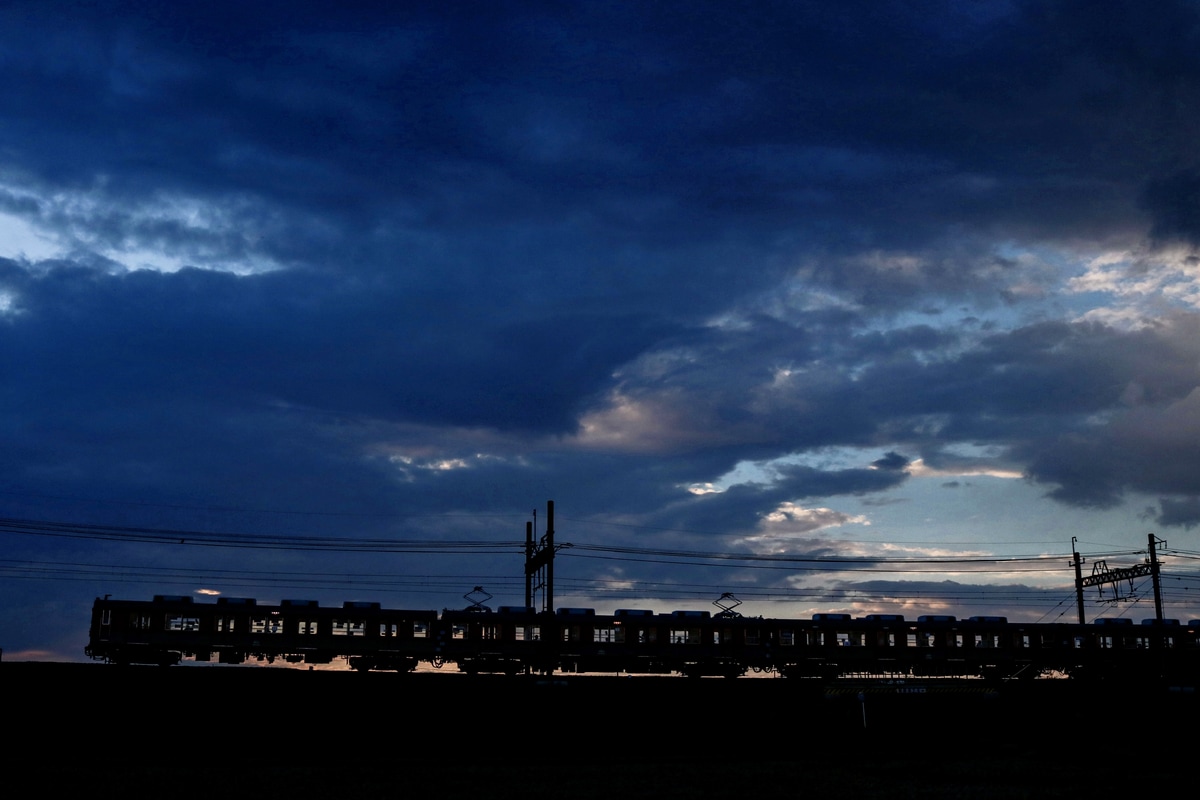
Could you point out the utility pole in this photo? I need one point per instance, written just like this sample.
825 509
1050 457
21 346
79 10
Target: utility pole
1102 575
1158 611
528 558
1078 564
549 547
539 563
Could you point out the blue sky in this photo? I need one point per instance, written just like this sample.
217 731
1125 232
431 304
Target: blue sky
795 280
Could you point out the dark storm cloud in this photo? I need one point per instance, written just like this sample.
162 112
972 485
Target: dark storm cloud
433 148
891 461
1142 449
1180 513
726 124
1174 204
854 391
1090 409
1148 433
84 337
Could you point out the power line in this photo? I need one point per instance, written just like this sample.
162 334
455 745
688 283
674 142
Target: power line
250 541
444 546
812 565
655 552
442 584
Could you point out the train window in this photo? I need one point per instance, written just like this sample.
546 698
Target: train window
605 635
685 636
139 622
389 630
106 617
420 630
305 627
225 624
349 627
458 631
753 637
175 622
787 638
644 636
265 625
527 633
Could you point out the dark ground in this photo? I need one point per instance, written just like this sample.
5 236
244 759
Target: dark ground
253 732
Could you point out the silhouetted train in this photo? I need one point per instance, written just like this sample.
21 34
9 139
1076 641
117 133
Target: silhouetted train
695 643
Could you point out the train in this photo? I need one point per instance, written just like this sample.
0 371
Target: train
516 640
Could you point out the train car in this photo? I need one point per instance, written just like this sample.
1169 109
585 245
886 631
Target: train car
477 639
136 632
234 630
633 640
518 639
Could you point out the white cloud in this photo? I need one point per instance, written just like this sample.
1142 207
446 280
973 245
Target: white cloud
919 469
163 233
790 527
22 241
645 425
1141 285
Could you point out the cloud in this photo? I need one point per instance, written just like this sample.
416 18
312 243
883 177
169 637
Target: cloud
792 528
891 461
1173 202
1183 513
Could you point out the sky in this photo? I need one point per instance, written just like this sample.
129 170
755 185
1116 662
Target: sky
882 307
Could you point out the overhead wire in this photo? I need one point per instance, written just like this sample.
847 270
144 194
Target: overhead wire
432 584
249 540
